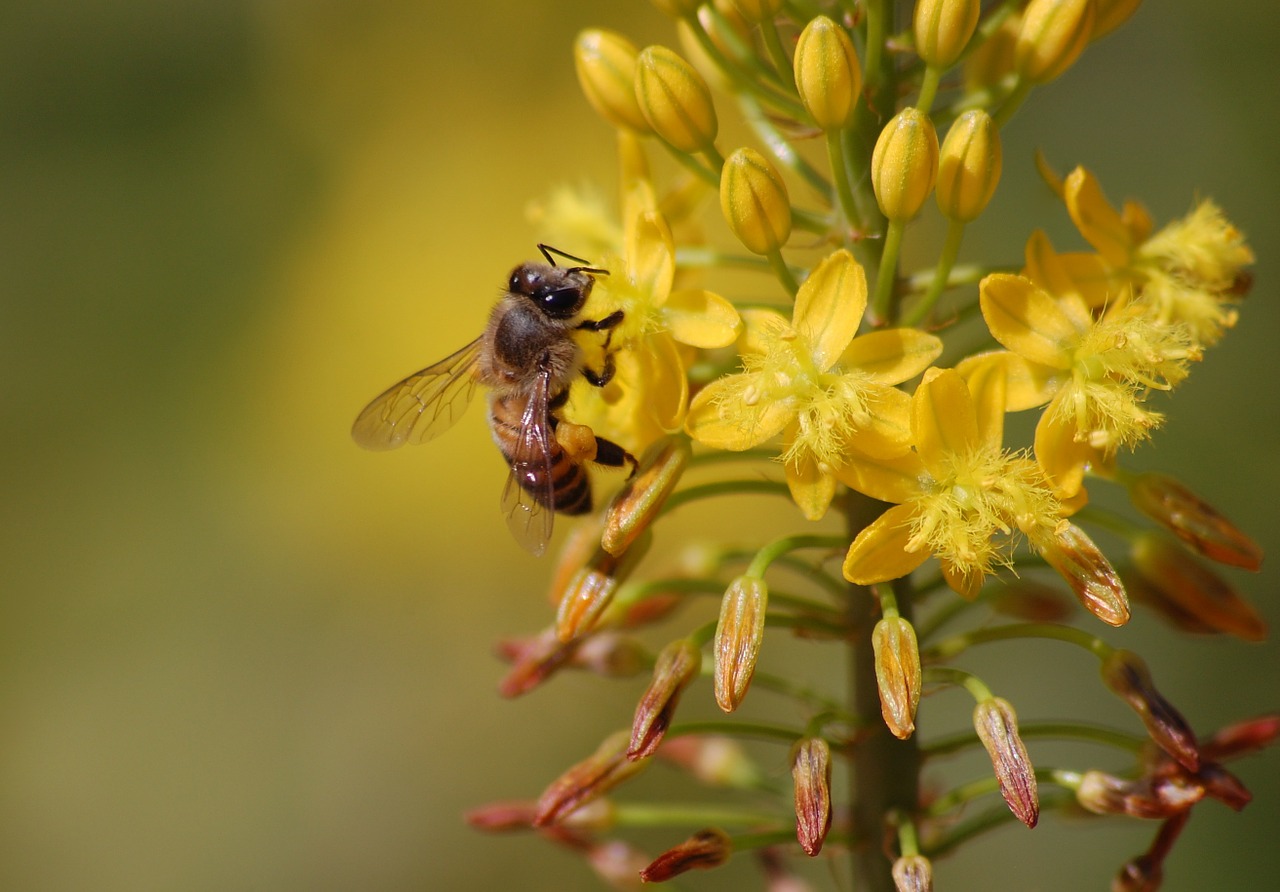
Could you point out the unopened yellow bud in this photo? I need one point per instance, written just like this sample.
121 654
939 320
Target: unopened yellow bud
828 76
758 10
1053 34
739 634
754 201
969 166
1111 14
675 100
897 661
943 29
606 66
904 164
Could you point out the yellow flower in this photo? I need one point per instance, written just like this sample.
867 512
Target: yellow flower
1185 273
1094 373
959 496
811 380
650 391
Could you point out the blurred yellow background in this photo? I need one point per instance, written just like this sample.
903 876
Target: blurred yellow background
238 652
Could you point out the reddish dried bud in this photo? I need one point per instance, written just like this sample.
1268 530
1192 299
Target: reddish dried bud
591 778
897 658
1224 786
913 873
502 817
1146 872
705 849
1178 580
739 634
1125 673
534 660
638 504
1242 738
997 727
715 761
676 666
1197 523
1148 797
1086 569
585 598
811 779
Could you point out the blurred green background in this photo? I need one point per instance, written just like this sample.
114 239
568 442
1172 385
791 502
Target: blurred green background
238 653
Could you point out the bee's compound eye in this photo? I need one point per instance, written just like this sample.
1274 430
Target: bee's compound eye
561 301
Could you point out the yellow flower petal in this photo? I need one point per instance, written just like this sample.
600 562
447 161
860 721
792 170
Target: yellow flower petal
1027 320
943 419
762 330
887 433
880 551
1027 384
812 488
1084 274
829 307
1096 219
889 480
719 417
650 256
668 385
987 389
1060 456
893 355
701 319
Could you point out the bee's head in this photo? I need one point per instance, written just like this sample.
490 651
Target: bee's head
559 292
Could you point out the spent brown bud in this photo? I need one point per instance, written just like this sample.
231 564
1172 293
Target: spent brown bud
591 778
1086 569
1197 523
533 660
1149 798
616 862
501 817
585 598
1242 738
638 504
705 849
677 665
1224 786
897 661
811 781
997 727
913 873
739 634
1126 674
1176 579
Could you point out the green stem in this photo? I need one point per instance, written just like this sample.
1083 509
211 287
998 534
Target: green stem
777 548
950 647
670 814
778 53
928 88
726 728
725 488
882 304
958 677
783 272
954 743
950 249
844 190
780 147
1012 102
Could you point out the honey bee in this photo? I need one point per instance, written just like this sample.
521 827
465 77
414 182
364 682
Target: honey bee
527 357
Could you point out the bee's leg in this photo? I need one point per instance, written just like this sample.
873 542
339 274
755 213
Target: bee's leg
610 454
608 322
602 377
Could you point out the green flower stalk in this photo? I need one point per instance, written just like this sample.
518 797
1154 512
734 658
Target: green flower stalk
818 382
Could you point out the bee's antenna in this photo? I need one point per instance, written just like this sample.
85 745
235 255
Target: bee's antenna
547 251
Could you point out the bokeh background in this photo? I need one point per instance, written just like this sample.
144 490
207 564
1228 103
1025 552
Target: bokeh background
238 653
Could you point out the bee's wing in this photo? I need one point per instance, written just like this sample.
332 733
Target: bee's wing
528 497
421 406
